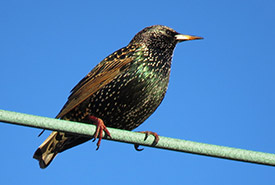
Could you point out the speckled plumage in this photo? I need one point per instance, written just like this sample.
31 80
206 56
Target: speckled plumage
123 90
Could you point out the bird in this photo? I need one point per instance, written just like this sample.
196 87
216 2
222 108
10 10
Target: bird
122 91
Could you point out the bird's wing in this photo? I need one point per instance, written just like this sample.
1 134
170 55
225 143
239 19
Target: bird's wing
100 76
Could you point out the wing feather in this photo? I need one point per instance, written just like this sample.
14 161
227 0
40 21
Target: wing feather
100 76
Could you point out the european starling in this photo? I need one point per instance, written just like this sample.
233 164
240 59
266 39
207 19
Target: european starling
122 91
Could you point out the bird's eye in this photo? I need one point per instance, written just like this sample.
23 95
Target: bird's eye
168 32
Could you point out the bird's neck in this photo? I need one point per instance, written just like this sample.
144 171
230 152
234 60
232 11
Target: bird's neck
154 61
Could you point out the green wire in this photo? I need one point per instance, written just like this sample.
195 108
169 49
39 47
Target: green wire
138 138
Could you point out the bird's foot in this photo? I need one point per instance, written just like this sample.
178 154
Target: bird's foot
100 127
147 133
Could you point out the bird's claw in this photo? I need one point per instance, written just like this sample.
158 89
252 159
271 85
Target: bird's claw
147 133
138 149
100 127
41 133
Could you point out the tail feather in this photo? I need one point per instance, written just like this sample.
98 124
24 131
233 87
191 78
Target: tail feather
57 142
47 150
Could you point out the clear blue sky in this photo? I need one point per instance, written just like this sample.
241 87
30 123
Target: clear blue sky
221 89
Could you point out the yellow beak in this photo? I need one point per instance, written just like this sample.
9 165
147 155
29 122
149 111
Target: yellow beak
181 37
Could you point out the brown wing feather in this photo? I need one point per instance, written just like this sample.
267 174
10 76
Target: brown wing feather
100 76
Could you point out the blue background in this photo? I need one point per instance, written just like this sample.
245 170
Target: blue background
221 89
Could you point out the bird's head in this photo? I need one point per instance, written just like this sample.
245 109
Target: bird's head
160 36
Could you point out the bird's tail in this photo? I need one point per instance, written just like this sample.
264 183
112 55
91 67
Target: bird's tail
49 149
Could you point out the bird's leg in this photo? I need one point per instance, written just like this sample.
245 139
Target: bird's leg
100 127
147 133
